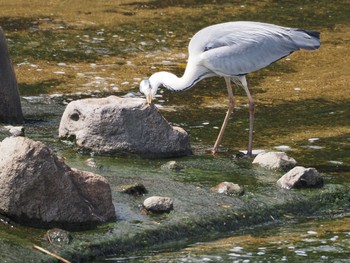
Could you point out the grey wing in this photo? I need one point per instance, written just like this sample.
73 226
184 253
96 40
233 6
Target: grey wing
242 52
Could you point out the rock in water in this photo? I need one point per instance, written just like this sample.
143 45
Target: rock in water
116 125
15 130
275 160
39 189
158 204
136 189
172 166
58 236
301 177
228 188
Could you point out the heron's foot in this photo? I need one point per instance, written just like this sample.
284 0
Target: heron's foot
212 151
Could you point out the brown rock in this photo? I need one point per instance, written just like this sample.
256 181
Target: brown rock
10 103
39 189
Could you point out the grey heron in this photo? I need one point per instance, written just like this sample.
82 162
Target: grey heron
232 50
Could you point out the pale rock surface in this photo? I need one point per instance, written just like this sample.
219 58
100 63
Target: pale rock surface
301 177
158 204
115 125
275 160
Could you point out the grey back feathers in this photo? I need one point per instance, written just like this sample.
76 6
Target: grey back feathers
238 48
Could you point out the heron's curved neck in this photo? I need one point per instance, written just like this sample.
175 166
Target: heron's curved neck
172 82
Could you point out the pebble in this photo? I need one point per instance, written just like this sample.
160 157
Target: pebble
58 236
228 188
172 165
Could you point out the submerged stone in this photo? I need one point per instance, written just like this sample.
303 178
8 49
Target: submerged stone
39 189
115 125
91 162
301 177
173 166
136 189
58 236
228 188
275 160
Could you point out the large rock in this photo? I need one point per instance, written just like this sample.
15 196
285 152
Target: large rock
39 189
275 160
10 103
116 125
301 177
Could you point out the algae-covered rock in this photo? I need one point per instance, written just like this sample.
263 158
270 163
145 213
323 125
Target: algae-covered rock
58 236
301 177
172 166
39 189
228 188
115 125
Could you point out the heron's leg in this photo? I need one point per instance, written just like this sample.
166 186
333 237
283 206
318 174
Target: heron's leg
231 106
251 115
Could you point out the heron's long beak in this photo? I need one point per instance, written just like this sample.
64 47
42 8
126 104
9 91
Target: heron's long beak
149 98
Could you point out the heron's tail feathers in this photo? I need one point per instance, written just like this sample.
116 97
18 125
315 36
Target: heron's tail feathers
307 39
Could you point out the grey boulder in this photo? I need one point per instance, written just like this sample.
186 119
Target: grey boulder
115 125
274 161
301 177
158 204
39 189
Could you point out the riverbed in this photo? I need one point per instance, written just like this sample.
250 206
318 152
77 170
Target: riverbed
65 51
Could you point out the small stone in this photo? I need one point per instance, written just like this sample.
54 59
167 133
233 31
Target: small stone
15 130
133 189
301 177
91 162
228 188
158 204
275 160
172 165
58 236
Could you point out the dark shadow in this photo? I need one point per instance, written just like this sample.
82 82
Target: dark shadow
38 88
10 24
155 4
317 14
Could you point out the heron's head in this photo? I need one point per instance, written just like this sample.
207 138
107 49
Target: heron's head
149 90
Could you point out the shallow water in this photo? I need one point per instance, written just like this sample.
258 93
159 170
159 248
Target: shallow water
314 240
302 105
